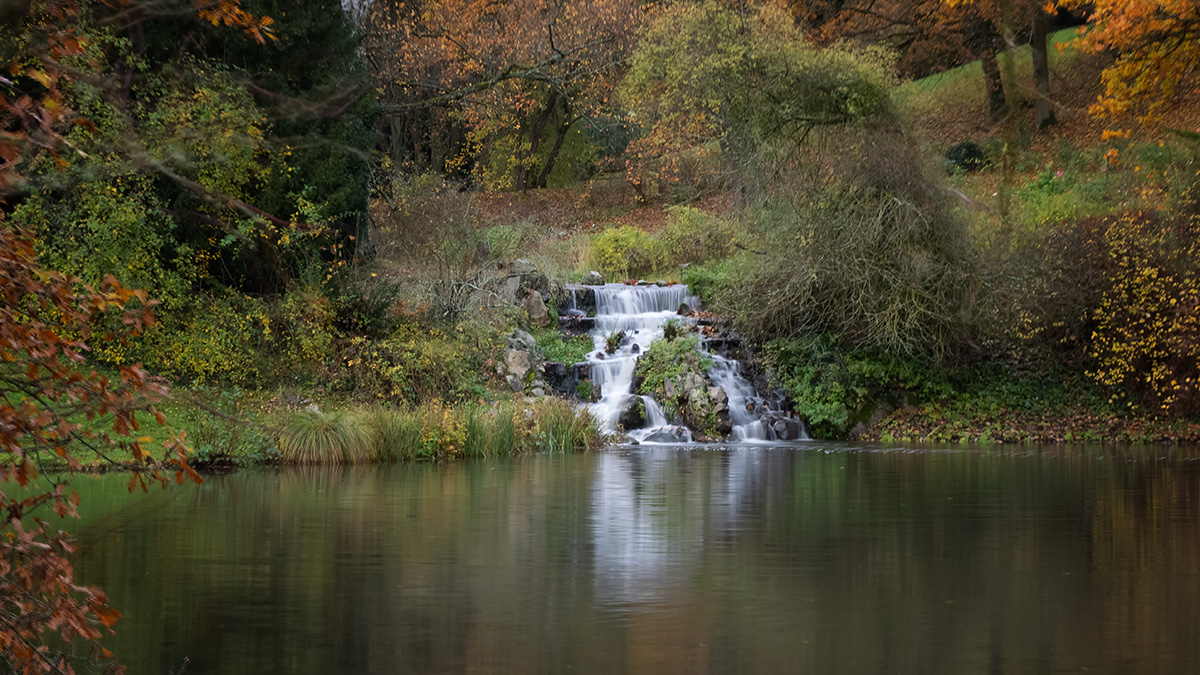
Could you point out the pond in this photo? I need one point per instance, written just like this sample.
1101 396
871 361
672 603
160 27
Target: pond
817 559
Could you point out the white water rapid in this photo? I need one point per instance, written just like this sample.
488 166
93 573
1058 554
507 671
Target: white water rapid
641 312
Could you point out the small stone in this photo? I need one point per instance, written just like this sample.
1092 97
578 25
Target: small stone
538 392
635 349
660 283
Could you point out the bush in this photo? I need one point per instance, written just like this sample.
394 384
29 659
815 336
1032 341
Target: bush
864 250
693 236
626 252
571 350
417 365
1147 338
833 389
706 281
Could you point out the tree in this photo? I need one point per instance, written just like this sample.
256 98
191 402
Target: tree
55 410
517 75
1158 52
707 77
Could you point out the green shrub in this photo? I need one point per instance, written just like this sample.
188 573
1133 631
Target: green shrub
338 437
626 252
834 389
564 350
707 280
671 360
417 365
692 236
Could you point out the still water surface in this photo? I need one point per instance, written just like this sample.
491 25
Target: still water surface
822 559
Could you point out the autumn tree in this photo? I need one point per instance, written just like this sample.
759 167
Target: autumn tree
1157 43
56 410
516 75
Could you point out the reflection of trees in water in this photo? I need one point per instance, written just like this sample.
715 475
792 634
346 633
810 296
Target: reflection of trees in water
761 560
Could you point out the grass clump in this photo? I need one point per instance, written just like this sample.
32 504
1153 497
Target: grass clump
562 427
311 437
397 434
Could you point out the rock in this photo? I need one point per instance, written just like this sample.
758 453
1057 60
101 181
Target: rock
522 267
724 423
517 362
660 283
633 414
667 436
594 278
536 307
538 392
635 349
312 407
509 289
522 340
699 408
576 325
669 389
717 394
515 383
691 382
684 309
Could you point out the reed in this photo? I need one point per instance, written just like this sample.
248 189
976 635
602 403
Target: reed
396 434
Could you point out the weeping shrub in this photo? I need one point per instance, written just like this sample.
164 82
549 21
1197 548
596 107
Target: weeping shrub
338 437
867 249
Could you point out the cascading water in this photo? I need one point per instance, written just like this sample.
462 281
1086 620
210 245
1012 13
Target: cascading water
641 313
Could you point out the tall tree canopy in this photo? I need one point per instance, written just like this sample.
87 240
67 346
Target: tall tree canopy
516 75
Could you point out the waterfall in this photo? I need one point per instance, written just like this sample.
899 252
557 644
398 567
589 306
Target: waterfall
641 312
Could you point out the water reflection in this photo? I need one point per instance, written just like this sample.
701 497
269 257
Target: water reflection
758 560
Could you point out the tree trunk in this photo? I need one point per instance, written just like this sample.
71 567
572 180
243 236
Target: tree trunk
1044 108
525 178
994 86
564 125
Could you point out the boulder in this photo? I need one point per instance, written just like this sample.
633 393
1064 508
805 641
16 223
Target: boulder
510 289
517 363
515 383
698 410
522 340
717 394
669 391
522 267
536 307
668 436
693 381
594 278
633 414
